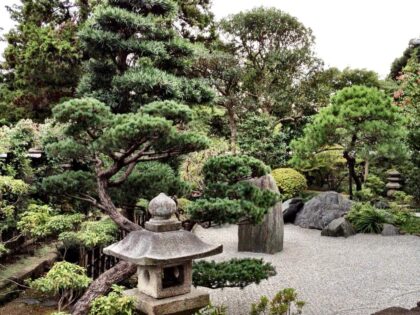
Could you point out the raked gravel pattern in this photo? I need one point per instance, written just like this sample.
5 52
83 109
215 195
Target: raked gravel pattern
355 276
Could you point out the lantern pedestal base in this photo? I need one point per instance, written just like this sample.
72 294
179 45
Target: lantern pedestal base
181 304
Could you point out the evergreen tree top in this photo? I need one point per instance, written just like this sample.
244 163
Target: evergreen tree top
136 56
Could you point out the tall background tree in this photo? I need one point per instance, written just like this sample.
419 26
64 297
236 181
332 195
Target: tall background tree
42 60
407 97
276 50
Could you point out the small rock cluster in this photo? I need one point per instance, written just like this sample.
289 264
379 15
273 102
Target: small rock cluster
327 212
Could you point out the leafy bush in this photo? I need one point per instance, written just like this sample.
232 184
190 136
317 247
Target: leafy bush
232 273
365 194
401 197
113 304
92 234
411 225
375 184
212 310
405 219
289 181
285 302
326 168
65 280
367 219
42 221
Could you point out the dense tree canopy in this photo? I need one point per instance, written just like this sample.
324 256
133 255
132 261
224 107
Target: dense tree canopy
362 121
277 52
43 58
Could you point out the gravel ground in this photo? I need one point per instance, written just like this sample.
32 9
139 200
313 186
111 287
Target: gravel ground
358 275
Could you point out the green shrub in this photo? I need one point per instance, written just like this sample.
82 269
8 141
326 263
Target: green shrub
375 184
92 234
285 302
65 280
228 196
233 168
40 221
289 181
411 225
212 310
366 194
113 304
367 219
403 198
232 273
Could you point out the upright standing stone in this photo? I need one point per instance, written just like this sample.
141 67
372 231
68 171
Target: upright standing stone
163 253
266 237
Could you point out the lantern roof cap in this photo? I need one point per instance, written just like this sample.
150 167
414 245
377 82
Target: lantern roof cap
147 248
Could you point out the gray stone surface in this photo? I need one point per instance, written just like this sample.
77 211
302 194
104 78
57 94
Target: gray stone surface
322 209
358 275
151 280
390 230
393 186
149 248
186 304
290 209
266 237
338 227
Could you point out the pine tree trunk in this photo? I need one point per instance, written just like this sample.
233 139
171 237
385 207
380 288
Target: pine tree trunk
233 131
266 237
122 270
100 286
351 164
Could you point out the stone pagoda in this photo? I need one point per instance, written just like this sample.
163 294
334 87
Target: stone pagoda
394 182
164 252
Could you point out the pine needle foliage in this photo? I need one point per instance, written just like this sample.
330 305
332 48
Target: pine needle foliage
233 273
228 197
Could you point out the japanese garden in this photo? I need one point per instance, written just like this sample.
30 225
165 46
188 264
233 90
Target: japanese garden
156 159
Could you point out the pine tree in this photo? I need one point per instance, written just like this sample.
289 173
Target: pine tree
134 109
362 121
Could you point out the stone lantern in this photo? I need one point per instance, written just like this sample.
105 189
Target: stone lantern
164 252
394 182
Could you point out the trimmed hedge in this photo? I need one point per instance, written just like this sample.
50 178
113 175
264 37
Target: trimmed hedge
289 181
231 273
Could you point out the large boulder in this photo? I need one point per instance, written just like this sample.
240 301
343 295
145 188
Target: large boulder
290 209
339 227
322 209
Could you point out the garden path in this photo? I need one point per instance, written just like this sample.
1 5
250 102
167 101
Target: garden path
358 275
